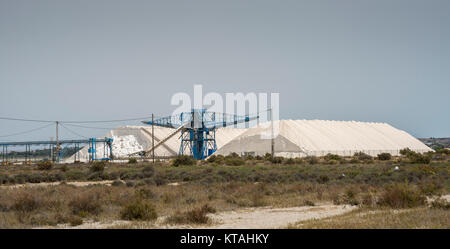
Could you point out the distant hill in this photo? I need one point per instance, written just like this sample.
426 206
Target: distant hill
436 143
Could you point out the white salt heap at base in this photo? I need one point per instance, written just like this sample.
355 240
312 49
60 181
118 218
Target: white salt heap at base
125 145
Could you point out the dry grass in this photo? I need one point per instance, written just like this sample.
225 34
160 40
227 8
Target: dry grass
383 219
223 187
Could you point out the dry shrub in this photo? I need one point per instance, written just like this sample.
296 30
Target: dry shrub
195 216
402 196
308 203
431 187
257 199
26 202
97 166
117 183
440 203
45 165
85 203
312 159
75 221
138 210
369 200
145 193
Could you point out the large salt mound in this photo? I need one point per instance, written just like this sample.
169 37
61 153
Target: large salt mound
299 138
131 139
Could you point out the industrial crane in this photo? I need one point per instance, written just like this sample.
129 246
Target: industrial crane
198 130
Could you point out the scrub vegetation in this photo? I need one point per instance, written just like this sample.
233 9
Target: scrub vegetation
389 191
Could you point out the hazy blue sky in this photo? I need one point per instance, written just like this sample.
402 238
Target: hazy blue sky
380 60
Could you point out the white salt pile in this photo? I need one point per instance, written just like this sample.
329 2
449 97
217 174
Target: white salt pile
125 145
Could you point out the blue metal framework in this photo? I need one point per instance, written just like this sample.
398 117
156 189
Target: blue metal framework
198 135
107 143
107 149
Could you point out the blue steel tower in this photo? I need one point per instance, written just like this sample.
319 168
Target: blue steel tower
198 129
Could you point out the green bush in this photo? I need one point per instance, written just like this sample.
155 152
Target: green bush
138 210
267 157
234 161
45 165
415 157
97 166
312 160
234 155
384 156
323 179
405 151
217 159
309 203
419 158
362 156
276 160
132 160
289 161
211 159
183 160
148 171
329 157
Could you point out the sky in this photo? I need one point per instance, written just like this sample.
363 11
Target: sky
378 61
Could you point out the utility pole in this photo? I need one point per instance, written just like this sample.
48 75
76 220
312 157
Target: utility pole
272 142
153 141
51 149
57 142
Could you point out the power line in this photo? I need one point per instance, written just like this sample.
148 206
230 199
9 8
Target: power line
104 121
71 131
73 121
91 127
28 131
27 120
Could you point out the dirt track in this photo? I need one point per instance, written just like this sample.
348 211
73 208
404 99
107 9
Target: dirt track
267 218
275 217
44 184
249 218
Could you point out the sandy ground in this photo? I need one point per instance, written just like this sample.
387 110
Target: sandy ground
44 184
248 218
267 218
